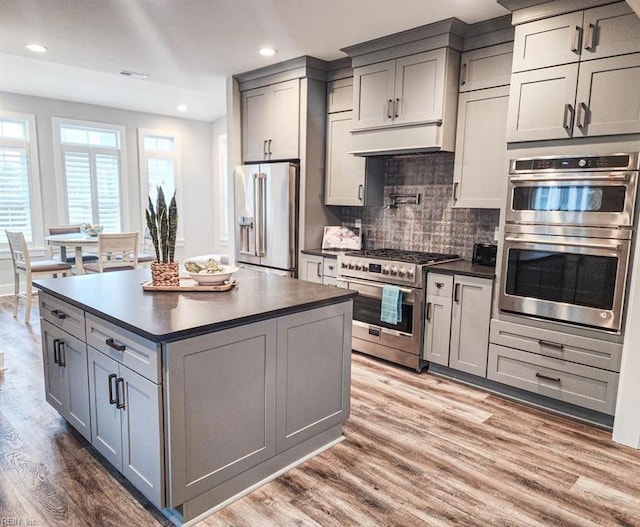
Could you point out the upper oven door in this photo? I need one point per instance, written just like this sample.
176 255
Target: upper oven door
568 279
582 198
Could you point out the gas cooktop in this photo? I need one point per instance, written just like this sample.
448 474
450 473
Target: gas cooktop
399 255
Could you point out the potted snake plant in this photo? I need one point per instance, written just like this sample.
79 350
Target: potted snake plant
162 222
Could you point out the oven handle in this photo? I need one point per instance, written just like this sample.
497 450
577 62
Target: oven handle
379 286
586 179
610 247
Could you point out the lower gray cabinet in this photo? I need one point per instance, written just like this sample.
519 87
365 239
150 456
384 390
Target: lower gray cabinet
314 370
65 376
209 443
127 423
438 318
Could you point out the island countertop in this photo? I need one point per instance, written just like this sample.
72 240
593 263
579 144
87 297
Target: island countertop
167 316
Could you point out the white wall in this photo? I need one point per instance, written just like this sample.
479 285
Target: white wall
195 203
219 128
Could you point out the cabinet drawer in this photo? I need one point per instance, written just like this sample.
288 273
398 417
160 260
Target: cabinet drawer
139 354
566 381
486 67
63 315
329 267
583 350
439 285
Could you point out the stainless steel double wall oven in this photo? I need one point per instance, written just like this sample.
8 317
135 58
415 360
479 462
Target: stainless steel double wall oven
567 240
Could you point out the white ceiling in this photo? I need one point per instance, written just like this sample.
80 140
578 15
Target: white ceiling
188 47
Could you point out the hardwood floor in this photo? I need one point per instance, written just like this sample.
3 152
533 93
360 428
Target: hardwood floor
419 451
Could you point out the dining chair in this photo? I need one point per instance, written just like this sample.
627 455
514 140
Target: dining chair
69 257
116 252
22 265
147 255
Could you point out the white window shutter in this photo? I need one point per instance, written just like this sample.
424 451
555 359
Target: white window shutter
15 199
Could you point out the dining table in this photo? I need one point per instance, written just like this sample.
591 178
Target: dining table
79 240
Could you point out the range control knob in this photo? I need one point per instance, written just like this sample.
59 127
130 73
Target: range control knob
358 267
351 266
410 274
394 271
385 270
343 265
402 272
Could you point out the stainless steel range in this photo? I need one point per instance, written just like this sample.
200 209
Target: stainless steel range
367 272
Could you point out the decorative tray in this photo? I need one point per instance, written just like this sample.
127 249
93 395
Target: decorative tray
188 285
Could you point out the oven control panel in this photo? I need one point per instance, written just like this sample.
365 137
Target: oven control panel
379 270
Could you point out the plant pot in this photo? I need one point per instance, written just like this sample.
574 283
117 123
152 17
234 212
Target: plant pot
164 274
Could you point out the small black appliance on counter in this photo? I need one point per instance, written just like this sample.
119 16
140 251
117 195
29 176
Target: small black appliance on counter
484 254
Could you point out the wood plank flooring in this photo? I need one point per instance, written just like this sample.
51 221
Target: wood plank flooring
419 451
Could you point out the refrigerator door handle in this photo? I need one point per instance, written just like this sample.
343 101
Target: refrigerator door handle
260 203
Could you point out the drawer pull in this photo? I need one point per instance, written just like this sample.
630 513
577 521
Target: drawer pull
439 285
119 403
58 314
541 376
114 345
112 398
551 344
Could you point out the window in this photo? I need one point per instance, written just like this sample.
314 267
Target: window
20 201
158 163
91 167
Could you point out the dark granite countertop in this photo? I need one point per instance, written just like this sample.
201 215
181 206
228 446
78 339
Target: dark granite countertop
463 267
168 316
326 253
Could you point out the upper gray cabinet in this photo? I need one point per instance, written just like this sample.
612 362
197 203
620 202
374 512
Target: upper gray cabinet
596 33
270 122
398 92
486 67
576 75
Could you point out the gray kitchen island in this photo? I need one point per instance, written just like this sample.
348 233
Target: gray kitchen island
198 397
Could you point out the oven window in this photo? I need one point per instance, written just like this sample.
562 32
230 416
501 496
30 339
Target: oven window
569 198
578 279
367 310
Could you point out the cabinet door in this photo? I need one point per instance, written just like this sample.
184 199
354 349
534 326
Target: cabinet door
373 87
106 430
542 103
256 119
340 95
548 42
470 319
437 329
66 378
221 407
479 171
610 30
486 67
344 183
282 141
313 371
311 268
419 87
142 445
607 99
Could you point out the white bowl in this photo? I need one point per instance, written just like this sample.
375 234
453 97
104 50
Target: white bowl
214 278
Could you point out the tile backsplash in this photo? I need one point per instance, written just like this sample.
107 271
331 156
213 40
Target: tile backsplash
433 225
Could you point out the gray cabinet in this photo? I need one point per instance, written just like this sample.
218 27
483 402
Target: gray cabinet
470 319
574 369
270 122
313 371
480 158
487 67
575 75
65 376
127 423
399 92
457 321
437 331
596 33
318 269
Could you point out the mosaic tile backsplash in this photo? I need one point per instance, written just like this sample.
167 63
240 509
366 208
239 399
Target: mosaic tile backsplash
433 225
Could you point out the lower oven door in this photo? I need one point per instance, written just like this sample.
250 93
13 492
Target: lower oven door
405 335
569 279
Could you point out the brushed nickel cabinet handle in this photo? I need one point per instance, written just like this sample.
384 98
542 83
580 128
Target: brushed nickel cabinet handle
269 148
389 103
567 121
575 39
463 74
396 107
589 39
581 120
550 344
541 376
360 192
264 149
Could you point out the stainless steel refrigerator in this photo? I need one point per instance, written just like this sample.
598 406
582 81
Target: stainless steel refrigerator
266 216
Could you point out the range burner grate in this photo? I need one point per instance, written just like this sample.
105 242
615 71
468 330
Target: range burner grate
417 257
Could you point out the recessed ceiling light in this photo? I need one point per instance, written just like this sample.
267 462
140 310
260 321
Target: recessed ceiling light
182 107
127 73
267 52
37 48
